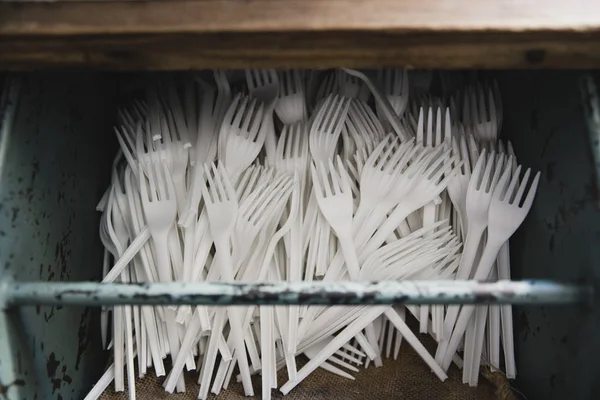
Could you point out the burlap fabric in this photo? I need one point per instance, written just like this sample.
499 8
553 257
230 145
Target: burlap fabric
407 378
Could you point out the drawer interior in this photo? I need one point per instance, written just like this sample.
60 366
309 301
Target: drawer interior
56 150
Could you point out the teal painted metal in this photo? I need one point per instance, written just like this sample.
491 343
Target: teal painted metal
54 166
283 293
545 118
56 158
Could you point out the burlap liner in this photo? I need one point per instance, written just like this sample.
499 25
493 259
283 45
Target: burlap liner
407 378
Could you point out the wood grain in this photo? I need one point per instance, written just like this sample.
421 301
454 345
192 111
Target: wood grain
304 33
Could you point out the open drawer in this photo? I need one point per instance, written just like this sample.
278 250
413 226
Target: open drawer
57 147
57 151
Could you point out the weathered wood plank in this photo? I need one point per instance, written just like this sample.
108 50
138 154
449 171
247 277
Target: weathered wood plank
303 33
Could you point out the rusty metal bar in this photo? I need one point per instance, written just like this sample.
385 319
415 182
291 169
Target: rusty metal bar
283 293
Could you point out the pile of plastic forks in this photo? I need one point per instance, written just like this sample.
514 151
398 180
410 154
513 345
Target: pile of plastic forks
300 176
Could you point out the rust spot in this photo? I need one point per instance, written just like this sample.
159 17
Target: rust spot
52 365
83 336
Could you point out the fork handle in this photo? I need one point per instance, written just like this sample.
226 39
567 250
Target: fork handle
163 259
483 270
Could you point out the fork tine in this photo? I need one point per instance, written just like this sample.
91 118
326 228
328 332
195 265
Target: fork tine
429 137
282 142
212 190
259 197
317 187
438 127
230 113
409 154
531 193
498 169
335 179
447 126
394 161
248 113
345 178
243 109
440 157
383 160
245 182
263 212
332 112
420 132
453 163
298 146
318 121
144 194
323 169
464 155
220 177
170 186
506 191
153 182
476 176
257 133
161 179
289 146
336 117
249 79
374 156
522 187
486 180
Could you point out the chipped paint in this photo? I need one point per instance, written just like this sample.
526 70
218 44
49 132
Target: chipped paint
323 293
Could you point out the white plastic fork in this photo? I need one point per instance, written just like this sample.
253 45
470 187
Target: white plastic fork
458 185
264 85
430 184
160 208
507 211
480 114
291 103
242 134
221 204
394 84
326 128
351 86
334 196
383 103
483 181
323 139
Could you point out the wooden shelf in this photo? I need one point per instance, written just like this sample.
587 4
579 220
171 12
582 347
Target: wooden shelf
301 33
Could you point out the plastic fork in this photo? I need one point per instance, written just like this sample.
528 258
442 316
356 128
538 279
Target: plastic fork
478 198
383 103
394 84
242 134
368 126
160 209
351 86
221 204
507 211
326 128
291 103
264 85
332 189
479 114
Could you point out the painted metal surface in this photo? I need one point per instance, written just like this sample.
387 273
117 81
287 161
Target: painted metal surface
557 348
282 293
55 163
54 167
